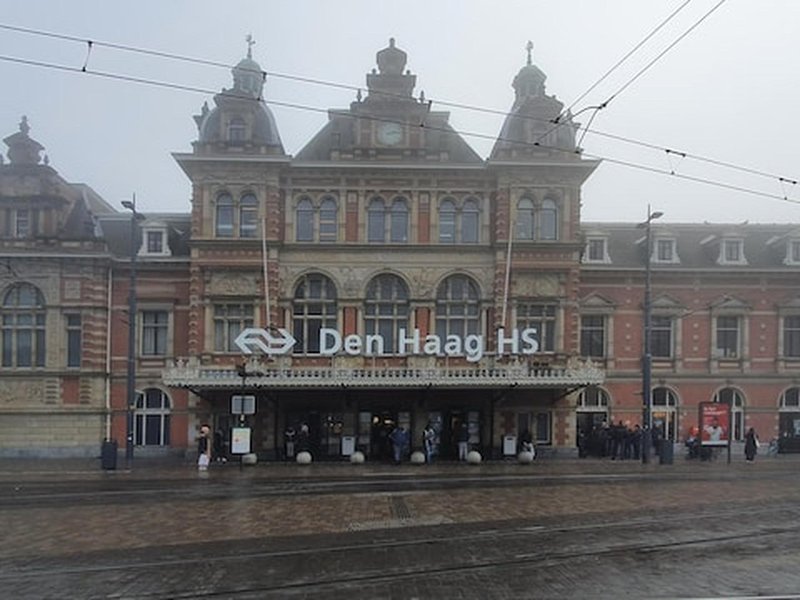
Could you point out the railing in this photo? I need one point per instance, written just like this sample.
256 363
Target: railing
196 376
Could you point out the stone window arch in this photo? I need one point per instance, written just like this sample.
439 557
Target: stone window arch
376 220
457 307
665 412
304 220
398 233
224 215
386 309
548 220
314 306
151 418
248 216
525 219
328 219
735 399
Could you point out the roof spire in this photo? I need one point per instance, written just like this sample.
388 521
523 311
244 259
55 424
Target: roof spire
529 48
250 42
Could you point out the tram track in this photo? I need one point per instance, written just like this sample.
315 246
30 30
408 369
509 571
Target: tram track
504 546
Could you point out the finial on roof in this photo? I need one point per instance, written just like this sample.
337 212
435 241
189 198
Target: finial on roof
358 95
23 125
529 48
250 42
46 160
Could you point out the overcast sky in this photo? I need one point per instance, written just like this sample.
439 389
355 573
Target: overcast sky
729 91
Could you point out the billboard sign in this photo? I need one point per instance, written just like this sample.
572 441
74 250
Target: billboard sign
715 421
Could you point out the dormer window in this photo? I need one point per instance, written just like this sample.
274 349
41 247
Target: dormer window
155 242
236 130
154 239
731 252
596 251
664 251
793 252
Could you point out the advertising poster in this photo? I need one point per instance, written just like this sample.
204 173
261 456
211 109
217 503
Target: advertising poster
240 440
714 422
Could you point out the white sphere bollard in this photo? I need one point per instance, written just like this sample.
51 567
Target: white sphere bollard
474 457
249 459
357 458
303 458
417 458
525 458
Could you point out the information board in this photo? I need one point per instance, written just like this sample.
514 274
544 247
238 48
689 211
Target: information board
240 440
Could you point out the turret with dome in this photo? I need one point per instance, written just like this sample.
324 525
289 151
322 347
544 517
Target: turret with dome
241 121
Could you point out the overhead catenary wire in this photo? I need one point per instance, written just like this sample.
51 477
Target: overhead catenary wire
586 130
182 87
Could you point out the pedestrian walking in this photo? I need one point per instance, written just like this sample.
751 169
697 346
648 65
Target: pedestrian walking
288 437
399 438
203 449
463 441
428 440
750 445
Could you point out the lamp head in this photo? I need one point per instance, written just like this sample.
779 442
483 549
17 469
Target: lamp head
656 215
128 204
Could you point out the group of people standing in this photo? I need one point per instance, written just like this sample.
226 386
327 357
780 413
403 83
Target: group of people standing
618 441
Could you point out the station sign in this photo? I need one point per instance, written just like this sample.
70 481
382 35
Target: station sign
413 343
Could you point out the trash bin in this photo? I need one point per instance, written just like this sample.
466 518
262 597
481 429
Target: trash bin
667 450
108 455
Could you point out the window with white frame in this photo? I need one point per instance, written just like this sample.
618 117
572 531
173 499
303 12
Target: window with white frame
457 307
593 336
328 220
793 252
376 220
791 336
727 342
155 331
386 309
665 413
543 318
229 321
151 418
22 319
525 219
732 252
236 130
314 306
304 220
734 399
154 241
596 250
224 216
399 221
664 251
248 216
548 220
661 343
593 398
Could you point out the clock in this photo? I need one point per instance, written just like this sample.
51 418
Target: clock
390 134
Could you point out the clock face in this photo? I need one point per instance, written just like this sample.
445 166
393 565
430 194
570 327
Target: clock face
390 134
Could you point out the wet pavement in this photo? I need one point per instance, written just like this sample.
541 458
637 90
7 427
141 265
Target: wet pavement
551 529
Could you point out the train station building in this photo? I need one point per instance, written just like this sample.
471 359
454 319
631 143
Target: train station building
385 275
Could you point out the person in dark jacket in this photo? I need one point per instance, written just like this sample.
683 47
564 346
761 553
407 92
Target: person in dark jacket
750 445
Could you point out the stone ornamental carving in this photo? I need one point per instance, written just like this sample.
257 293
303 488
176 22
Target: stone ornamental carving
540 285
233 284
22 393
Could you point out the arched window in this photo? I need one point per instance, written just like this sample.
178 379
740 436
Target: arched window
22 318
151 418
376 220
313 307
733 398
236 130
328 226
665 413
593 399
304 221
447 221
248 216
548 220
386 309
399 228
525 222
224 220
457 307
470 221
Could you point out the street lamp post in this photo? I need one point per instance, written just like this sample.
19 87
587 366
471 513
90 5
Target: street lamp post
647 357
131 395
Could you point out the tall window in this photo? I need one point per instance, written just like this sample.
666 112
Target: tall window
548 220
791 336
525 223
789 417
542 317
376 221
328 226
73 340
732 251
459 224
23 321
155 242
665 250
314 307
399 218
661 337
151 418
248 216
727 342
386 309
22 223
457 307
733 398
447 221
304 221
224 221
155 325
229 321
596 250
593 336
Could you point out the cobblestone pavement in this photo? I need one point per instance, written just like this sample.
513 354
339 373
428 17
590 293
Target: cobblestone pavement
557 529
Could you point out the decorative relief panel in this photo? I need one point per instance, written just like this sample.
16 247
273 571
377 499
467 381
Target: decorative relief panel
18 394
232 284
540 285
